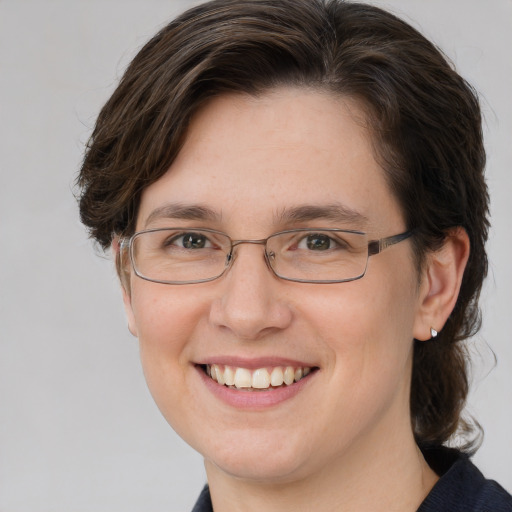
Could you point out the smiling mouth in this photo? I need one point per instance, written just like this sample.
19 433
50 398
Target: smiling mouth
261 379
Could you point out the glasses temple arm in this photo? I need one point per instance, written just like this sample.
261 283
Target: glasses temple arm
377 246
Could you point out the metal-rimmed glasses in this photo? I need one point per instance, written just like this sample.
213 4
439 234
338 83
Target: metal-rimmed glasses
179 255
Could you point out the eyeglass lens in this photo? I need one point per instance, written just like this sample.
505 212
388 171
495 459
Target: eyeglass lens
183 256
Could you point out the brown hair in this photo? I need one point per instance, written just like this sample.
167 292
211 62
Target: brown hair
424 118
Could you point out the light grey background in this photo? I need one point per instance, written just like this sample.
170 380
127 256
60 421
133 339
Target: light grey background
78 429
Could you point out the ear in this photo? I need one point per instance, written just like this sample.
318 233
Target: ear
441 281
125 286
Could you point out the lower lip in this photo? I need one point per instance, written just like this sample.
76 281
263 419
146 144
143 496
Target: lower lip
253 399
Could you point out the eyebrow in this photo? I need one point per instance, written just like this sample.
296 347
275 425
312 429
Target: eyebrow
333 212
183 212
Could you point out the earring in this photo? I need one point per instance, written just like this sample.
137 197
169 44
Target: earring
433 332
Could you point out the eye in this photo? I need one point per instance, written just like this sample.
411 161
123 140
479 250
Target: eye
317 242
191 241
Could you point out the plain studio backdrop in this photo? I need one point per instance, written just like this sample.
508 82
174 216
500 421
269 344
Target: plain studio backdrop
78 429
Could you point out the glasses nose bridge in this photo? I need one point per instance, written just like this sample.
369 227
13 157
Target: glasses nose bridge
261 241
235 243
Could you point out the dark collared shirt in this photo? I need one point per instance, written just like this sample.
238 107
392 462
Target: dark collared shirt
461 488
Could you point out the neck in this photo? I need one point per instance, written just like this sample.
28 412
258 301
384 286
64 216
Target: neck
372 477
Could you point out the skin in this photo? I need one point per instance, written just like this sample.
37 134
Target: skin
344 442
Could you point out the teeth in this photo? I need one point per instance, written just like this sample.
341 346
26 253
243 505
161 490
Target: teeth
261 379
242 378
229 376
289 375
220 375
276 377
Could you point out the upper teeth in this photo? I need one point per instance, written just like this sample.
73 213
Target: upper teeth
261 378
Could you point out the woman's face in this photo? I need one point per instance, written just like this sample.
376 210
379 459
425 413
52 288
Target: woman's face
251 163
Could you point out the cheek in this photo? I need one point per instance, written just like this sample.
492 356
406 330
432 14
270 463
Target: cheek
367 331
164 315
368 353
166 320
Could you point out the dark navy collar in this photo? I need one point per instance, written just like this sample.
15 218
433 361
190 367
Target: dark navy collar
460 488
204 502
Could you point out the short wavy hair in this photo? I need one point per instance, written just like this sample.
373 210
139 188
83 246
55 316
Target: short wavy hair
424 119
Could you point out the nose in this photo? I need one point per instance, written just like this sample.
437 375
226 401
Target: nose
251 303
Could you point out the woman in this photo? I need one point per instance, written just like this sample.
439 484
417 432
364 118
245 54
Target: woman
294 193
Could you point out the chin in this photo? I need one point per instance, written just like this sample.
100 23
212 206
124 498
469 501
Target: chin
265 460
259 467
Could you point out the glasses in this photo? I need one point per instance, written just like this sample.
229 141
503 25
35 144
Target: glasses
190 255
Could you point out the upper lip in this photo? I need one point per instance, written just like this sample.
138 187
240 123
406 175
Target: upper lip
254 363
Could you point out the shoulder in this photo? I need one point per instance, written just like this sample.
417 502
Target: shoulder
462 487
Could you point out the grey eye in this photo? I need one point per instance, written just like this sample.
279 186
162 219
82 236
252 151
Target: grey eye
192 241
317 242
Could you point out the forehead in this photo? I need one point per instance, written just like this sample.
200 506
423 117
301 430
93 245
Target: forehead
255 158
